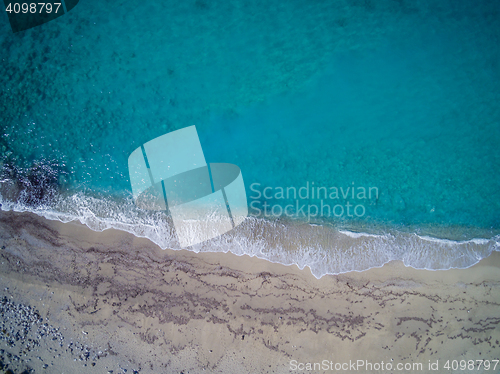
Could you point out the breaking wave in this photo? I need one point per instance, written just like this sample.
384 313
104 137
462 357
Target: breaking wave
325 249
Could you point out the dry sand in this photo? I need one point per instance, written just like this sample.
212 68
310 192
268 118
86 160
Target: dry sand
95 302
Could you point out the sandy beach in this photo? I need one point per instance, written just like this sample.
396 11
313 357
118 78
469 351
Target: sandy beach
79 301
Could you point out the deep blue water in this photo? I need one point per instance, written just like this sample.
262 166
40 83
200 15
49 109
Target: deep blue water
398 96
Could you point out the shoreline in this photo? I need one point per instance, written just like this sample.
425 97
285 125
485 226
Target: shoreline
154 310
321 248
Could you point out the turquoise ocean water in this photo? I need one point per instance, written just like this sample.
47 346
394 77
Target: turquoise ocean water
399 99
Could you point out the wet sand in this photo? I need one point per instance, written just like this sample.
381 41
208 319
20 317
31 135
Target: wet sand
74 300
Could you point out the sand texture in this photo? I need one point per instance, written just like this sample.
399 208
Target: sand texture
74 300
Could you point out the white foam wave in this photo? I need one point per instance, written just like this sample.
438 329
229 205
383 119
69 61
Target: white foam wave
357 235
325 250
478 241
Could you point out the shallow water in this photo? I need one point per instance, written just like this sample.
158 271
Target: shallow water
396 98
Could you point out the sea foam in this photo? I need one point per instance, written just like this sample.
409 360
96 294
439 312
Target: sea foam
325 249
